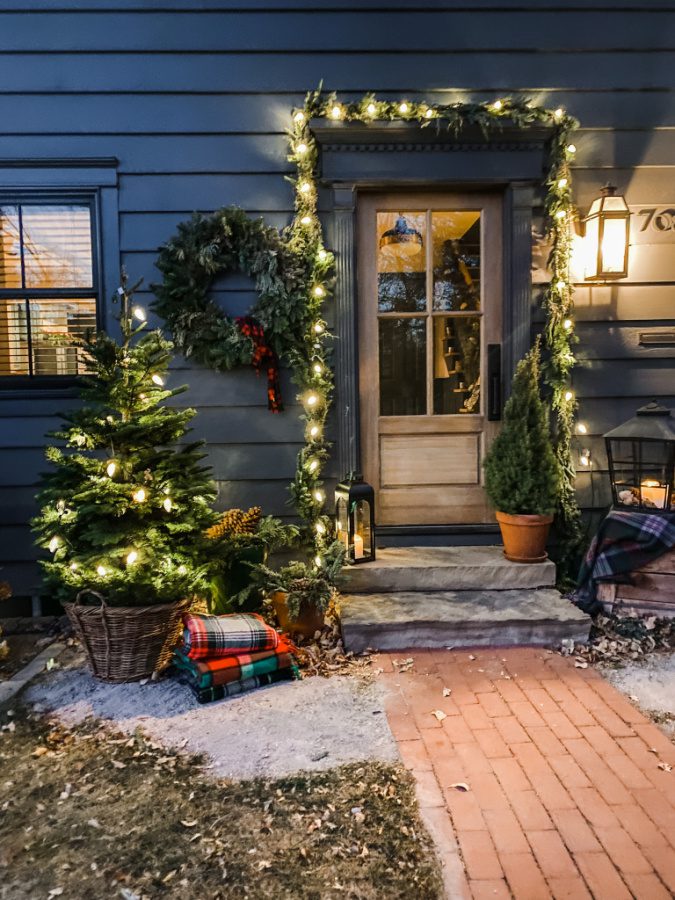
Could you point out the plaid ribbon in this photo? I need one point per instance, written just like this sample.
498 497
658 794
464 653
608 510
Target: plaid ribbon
624 542
214 636
207 673
220 691
263 354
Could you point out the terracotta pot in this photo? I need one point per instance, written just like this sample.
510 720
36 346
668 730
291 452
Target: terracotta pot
524 537
308 622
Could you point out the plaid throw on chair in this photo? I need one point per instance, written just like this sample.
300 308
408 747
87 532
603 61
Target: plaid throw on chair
208 673
625 541
215 636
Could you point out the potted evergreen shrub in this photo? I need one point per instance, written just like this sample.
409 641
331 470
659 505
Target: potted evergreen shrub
123 508
522 474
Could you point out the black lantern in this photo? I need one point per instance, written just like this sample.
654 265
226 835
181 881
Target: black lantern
355 518
641 455
607 235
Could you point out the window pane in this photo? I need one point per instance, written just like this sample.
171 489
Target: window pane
403 367
57 328
456 254
13 338
401 274
456 364
10 248
57 246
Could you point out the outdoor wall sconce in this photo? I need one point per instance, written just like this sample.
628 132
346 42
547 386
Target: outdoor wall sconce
402 241
606 237
641 456
355 518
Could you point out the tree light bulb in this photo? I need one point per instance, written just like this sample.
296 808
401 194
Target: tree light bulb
314 431
314 465
318 328
73 566
132 557
429 114
567 324
182 570
403 108
139 495
371 109
560 285
561 214
562 182
319 291
318 562
581 428
322 254
305 187
336 112
319 496
320 528
101 570
559 113
299 117
301 148
312 400
111 468
568 395
139 312
571 148
306 220
53 544
158 380
168 504
497 105
318 368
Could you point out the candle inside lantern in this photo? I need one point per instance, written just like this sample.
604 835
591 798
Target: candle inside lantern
653 494
358 546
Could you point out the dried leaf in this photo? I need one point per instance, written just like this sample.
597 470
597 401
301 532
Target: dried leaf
471 656
447 692
440 715
119 765
666 767
40 751
188 824
461 786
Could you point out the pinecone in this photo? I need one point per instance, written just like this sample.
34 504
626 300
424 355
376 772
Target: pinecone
250 520
235 521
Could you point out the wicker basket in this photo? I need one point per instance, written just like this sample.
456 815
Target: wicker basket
125 643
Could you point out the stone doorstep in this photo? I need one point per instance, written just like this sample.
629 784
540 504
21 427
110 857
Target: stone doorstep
405 569
394 621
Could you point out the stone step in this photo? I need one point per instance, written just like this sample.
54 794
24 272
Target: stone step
444 569
394 621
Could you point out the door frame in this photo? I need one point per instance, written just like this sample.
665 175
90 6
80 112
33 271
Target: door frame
394 156
372 425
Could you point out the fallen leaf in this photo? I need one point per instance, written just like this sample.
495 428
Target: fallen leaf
440 715
665 766
55 892
461 786
40 751
119 765
94 823
653 750
633 698
188 824
447 692
471 656
580 664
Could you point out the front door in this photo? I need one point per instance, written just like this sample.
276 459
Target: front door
430 306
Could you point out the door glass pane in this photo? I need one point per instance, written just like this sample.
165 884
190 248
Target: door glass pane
456 260
401 269
456 364
402 367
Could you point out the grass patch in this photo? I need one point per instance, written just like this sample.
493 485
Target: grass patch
88 813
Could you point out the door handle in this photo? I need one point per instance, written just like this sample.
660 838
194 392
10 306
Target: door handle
494 378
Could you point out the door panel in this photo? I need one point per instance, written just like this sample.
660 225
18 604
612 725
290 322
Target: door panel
429 275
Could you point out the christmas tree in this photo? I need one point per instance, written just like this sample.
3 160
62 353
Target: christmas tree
123 509
522 475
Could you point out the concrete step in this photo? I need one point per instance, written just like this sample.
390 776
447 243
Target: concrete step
405 569
394 621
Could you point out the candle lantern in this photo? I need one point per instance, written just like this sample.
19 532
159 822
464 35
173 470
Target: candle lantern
641 456
607 235
355 518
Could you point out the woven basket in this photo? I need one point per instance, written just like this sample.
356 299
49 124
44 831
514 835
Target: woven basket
126 643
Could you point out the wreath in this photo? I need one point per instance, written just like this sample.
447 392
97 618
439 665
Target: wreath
206 247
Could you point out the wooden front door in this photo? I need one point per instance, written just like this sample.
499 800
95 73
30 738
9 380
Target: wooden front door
430 305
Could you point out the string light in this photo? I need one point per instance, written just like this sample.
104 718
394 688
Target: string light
302 148
132 557
336 112
305 187
322 254
562 182
581 428
158 380
54 544
168 504
139 312
404 108
318 562
371 109
299 117
319 291
111 468
314 431
182 570
318 368
560 285
568 396
318 328
571 149
429 114
73 566
306 220
319 496
567 324
320 528
139 495
313 465
559 113
561 214
312 400
497 105
101 570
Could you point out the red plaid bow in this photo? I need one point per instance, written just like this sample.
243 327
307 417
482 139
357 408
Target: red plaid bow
263 354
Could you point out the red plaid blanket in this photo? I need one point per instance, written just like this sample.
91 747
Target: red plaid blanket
216 636
227 669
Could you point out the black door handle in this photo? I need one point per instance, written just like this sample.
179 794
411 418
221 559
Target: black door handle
494 377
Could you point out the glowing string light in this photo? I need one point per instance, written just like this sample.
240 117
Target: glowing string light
139 495
111 468
158 380
132 557
168 504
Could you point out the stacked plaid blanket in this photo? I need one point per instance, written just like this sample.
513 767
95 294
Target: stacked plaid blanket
226 655
625 541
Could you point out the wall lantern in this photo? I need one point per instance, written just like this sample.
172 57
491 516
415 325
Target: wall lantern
402 241
355 518
641 455
607 235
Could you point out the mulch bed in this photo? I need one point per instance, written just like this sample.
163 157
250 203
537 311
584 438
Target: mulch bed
89 813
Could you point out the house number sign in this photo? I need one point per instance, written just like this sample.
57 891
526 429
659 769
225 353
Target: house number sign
652 223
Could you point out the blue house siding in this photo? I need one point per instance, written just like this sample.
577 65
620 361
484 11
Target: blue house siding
193 103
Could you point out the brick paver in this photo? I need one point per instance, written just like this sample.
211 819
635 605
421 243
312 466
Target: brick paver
566 798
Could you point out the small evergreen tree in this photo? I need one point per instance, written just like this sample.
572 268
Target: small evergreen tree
123 510
522 475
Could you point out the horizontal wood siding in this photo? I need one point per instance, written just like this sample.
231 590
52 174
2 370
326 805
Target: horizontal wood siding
194 103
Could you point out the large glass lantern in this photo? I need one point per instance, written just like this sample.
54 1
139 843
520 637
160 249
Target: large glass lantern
607 234
355 518
641 455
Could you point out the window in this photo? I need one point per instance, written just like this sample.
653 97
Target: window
48 288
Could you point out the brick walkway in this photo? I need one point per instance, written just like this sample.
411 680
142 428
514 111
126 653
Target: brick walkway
566 799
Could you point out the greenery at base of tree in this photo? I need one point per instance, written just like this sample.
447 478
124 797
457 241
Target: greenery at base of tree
123 508
522 474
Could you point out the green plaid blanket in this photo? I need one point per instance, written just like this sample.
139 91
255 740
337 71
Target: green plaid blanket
221 691
624 542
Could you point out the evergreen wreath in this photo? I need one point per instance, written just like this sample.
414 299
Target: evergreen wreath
206 247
